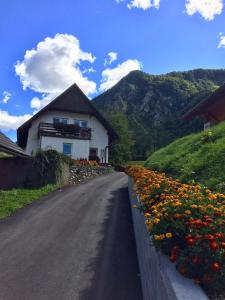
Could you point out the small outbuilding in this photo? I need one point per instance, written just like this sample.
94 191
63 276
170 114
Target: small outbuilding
15 165
211 109
9 147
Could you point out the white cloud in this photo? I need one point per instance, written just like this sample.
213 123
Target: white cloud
8 121
144 4
111 57
208 9
111 76
39 102
6 97
222 40
90 70
53 66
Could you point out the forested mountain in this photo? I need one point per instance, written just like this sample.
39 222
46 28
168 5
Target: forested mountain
151 106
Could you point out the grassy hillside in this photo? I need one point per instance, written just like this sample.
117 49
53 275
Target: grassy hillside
199 157
152 105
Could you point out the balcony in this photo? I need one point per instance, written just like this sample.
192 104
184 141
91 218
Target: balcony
60 130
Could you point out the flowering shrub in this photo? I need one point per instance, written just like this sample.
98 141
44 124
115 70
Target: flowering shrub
187 222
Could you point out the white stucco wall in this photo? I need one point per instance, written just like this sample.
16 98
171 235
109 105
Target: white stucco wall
98 140
99 137
80 148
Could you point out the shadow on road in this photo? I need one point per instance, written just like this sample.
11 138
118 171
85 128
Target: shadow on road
116 272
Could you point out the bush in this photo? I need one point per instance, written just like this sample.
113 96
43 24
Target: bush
187 223
51 166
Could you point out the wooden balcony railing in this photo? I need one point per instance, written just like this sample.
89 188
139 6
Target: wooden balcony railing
64 131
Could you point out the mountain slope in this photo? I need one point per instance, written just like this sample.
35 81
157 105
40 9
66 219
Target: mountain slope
154 104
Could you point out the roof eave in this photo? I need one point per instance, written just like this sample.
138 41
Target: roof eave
12 152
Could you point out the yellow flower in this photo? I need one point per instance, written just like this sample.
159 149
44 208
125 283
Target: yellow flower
156 237
156 221
158 215
176 204
169 235
162 236
194 206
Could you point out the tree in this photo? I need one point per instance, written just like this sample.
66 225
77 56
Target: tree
121 152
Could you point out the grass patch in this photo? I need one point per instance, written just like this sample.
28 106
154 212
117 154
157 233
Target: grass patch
199 157
12 200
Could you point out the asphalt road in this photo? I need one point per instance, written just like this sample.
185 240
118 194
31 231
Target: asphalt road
73 244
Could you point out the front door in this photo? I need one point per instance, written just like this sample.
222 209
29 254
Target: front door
93 154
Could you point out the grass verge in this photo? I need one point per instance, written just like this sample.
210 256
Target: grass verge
12 200
199 157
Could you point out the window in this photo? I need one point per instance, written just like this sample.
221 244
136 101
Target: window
60 120
67 149
56 120
84 124
81 123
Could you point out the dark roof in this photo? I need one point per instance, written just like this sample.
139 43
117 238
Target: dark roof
7 146
71 100
206 103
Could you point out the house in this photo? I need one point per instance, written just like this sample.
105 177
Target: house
9 148
211 109
70 124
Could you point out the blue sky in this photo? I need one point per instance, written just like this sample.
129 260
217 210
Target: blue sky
95 43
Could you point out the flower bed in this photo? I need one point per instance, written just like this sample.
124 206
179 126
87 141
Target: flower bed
187 222
84 163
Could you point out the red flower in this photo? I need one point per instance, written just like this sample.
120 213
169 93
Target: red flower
213 245
219 235
222 245
190 242
173 258
210 237
215 266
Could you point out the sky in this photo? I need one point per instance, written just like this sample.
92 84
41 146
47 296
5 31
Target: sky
47 45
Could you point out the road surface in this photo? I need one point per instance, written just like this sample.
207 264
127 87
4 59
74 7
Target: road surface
73 244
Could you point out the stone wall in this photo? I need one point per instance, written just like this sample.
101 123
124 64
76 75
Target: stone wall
159 278
80 174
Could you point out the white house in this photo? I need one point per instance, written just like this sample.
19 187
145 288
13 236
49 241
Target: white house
70 124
